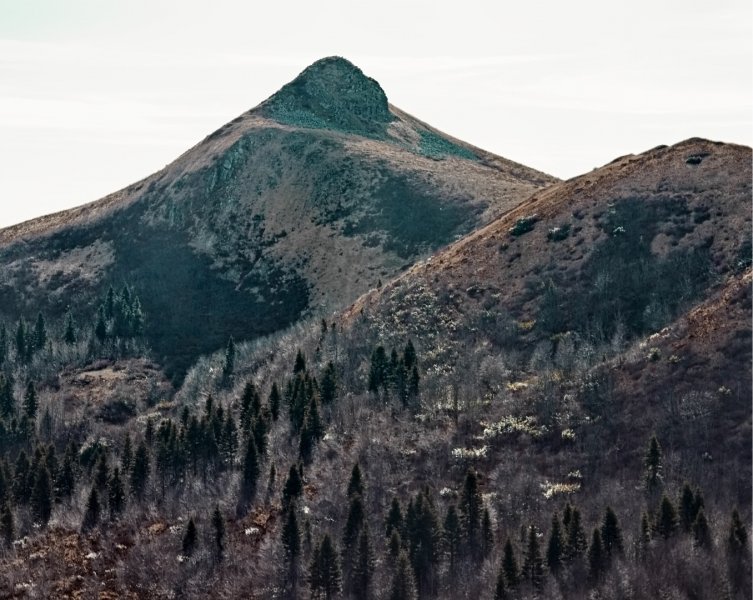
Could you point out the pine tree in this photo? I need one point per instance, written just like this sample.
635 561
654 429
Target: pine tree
218 525
510 565
555 547
274 401
452 536
702 532
652 463
611 534
471 507
355 485
687 508
666 523
91 515
291 539
190 538
40 333
394 521
69 337
30 402
116 494
100 328
329 384
596 556
576 537
41 497
404 581
533 565
7 525
229 366
363 567
293 488
140 471
500 589
325 576
300 363
250 474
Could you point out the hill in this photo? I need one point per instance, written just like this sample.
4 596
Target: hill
294 208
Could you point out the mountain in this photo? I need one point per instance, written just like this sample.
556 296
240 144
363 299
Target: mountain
294 208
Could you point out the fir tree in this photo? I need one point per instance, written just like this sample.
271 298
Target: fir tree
596 556
218 526
190 538
666 522
611 534
652 463
91 515
702 532
555 547
116 494
325 576
510 565
41 497
533 565
355 485
140 471
274 401
404 581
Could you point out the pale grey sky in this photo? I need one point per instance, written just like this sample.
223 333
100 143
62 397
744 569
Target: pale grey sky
96 94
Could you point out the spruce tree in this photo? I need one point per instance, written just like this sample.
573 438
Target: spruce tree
100 328
40 333
21 484
329 384
500 589
355 484
487 534
687 510
652 463
363 567
101 472
127 456
7 402
510 565
300 363
353 525
218 526
596 556
666 522
21 341
116 494
91 515
394 546
229 365
394 521
644 535
190 538
378 370
69 336
291 539
576 537
737 539
702 532
404 582
611 534
66 480
555 547
533 565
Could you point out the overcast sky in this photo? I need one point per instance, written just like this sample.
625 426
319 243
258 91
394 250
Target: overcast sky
96 94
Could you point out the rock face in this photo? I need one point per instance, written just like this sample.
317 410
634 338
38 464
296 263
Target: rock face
332 93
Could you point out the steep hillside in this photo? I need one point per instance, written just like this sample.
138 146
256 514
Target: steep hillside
294 208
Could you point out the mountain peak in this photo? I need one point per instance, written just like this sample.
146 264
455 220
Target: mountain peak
332 93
